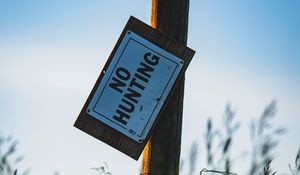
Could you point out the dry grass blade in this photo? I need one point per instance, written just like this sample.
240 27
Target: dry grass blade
297 162
267 168
296 169
193 157
8 147
219 157
264 140
226 145
209 137
12 148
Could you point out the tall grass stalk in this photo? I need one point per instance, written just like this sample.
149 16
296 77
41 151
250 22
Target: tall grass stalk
264 137
296 169
8 157
219 157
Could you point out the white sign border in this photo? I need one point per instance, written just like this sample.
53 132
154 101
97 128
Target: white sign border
149 45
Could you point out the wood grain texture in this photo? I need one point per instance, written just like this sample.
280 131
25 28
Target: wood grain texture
103 132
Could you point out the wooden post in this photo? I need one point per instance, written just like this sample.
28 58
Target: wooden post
162 154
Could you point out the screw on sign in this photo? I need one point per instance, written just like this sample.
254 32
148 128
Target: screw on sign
132 91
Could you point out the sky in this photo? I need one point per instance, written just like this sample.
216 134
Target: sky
51 53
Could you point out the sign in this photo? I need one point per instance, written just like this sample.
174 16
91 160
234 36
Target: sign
134 85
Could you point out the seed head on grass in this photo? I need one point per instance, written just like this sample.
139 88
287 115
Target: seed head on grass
219 157
9 158
296 169
264 139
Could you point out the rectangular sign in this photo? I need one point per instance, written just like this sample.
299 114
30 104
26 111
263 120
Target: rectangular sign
133 88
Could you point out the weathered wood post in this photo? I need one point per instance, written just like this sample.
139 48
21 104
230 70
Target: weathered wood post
162 153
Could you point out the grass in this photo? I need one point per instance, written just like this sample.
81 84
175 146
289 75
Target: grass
264 135
296 169
218 144
265 138
9 159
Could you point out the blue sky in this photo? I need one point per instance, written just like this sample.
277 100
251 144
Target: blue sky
51 52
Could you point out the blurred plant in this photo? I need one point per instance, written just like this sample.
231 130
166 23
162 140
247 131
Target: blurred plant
264 139
219 157
193 157
226 143
209 142
296 169
102 169
8 147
